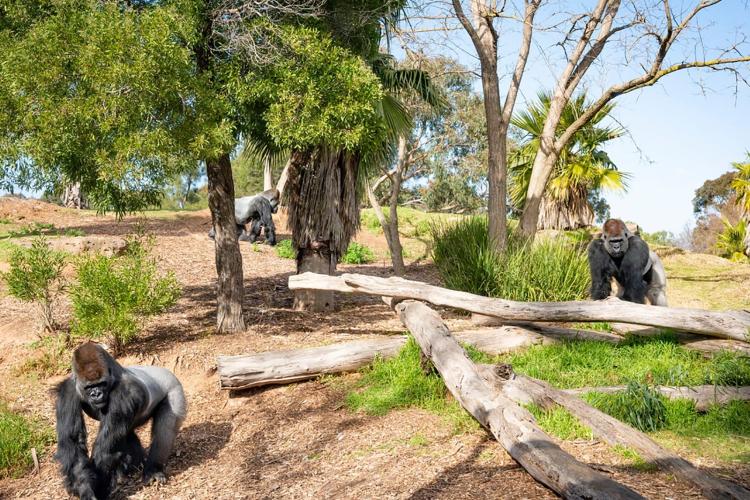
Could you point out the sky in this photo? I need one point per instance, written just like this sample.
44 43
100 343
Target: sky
686 129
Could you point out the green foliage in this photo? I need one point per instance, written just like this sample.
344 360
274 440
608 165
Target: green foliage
114 294
713 194
33 229
731 242
399 382
35 276
664 238
369 220
357 254
657 360
550 270
636 461
18 435
741 184
638 405
285 250
560 423
449 192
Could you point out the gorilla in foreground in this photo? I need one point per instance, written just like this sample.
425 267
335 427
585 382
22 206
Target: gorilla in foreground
256 211
121 399
624 256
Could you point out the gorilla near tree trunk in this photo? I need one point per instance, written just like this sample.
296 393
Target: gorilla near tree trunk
122 399
256 211
624 256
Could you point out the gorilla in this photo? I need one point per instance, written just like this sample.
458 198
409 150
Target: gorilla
256 211
624 256
121 399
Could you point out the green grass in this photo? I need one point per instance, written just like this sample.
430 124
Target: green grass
285 250
6 249
638 405
560 423
548 270
357 253
653 360
399 382
18 435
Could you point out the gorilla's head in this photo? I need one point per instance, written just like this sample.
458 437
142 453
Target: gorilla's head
615 237
93 372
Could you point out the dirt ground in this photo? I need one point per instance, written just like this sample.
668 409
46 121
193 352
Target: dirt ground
295 441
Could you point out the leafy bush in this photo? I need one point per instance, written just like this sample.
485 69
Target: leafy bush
369 220
638 405
664 238
357 254
731 242
17 436
550 270
285 250
36 276
113 294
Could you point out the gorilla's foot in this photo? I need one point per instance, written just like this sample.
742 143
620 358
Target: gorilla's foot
154 473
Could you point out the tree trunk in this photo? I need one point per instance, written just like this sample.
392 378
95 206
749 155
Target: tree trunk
723 324
267 174
514 427
228 257
73 197
540 173
573 213
316 258
615 433
283 178
375 204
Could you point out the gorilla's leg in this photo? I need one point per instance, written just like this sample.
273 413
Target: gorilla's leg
602 269
254 231
245 236
133 456
167 419
656 278
630 274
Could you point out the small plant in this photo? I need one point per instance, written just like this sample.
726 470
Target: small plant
33 229
285 250
255 247
638 405
17 436
73 232
560 423
114 294
357 254
730 244
36 276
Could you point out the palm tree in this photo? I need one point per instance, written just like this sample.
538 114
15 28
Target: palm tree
582 169
741 186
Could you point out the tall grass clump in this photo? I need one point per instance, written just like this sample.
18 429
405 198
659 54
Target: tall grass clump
17 436
35 276
113 294
638 405
548 270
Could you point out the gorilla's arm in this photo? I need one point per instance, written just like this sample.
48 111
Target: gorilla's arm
72 451
602 270
630 275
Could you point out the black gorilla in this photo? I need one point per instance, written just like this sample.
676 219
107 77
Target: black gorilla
256 211
122 399
625 257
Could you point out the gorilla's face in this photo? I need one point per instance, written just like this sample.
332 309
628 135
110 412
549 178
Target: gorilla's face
617 246
97 393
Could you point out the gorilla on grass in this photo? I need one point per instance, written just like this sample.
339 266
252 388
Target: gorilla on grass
255 210
624 256
121 399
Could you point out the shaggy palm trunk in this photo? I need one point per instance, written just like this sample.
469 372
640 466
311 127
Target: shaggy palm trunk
228 257
572 213
72 197
323 215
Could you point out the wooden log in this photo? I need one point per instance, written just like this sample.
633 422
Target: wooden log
286 366
526 390
725 324
703 395
512 426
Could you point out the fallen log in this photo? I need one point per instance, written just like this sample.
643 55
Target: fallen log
513 426
725 324
526 390
286 366
703 395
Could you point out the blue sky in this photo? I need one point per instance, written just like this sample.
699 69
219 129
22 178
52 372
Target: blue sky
683 131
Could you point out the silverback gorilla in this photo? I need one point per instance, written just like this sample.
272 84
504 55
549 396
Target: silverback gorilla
624 256
256 211
121 399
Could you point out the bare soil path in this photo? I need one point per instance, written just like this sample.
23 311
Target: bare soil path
296 441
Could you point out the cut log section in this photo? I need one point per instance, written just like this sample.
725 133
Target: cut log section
726 324
613 432
512 426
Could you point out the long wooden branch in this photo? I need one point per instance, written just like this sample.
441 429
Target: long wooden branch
524 390
512 426
726 324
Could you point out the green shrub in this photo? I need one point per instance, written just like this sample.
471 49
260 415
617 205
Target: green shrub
113 294
370 221
17 436
550 270
285 250
731 242
33 229
357 254
35 276
663 238
638 405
